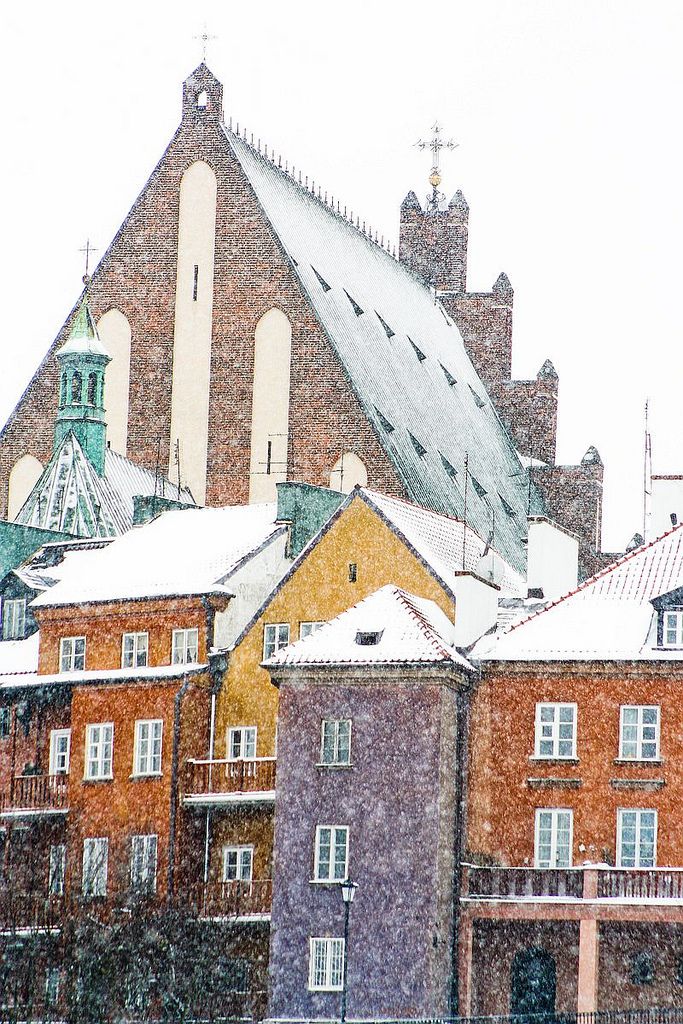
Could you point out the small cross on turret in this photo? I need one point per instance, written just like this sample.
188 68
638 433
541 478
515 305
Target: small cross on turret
436 144
87 249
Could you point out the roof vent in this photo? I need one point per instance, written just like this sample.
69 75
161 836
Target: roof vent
479 402
365 639
451 470
356 308
507 507
323 283
387 329
419 448
481 491
418 351
384 422
449 376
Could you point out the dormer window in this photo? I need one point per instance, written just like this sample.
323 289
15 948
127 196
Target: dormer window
367 639
672 632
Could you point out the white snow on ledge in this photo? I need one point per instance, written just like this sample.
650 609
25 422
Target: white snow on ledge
149 673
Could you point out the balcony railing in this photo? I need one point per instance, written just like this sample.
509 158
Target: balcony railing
207 781
231 899
517 883
641 884
594 882
33 794
29 911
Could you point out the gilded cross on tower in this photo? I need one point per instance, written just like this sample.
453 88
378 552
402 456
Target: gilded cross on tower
87 249
205 39
436 144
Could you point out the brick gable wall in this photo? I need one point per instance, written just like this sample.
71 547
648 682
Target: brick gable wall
138 276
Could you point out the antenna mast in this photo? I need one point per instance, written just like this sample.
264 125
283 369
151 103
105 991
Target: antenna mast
647 477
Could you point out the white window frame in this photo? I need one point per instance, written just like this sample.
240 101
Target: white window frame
275 637
335 723
94 882
307 629
640 727
99 744
244 732
244 855
554 730
139 644
56 878
14 618
184 641
331 950
69 656
52 985
676 615
638 811
59 759
144 853
146 758
555 812
335 831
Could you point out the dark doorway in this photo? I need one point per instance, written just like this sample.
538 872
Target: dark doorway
533 983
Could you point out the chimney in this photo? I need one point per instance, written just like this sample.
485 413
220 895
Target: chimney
552 559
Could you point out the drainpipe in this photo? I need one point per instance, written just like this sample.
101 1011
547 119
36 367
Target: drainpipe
173 815
464 698
218 664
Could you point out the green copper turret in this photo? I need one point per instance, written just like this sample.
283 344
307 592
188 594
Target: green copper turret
82 362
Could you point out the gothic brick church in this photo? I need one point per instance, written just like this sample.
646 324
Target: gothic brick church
257 334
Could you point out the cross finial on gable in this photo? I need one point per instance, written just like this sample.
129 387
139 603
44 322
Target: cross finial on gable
205 38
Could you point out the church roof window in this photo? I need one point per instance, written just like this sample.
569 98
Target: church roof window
323 283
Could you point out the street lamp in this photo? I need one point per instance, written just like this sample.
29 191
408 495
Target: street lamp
348 891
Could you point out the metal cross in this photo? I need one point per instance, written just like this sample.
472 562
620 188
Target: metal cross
436 144
205 39
87 249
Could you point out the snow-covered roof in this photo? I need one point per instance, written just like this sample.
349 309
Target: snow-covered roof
51 562
390 626
405 358
608 617
443 542
181 552
19 656
71 497
148 673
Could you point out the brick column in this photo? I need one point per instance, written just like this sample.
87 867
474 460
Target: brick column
465 966
587 995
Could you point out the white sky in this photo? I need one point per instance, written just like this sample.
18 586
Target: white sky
569 124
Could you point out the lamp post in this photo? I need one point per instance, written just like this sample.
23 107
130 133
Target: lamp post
348 891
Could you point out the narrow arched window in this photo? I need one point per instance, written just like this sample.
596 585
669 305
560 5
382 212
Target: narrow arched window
202 100
92 389
76 388
62 390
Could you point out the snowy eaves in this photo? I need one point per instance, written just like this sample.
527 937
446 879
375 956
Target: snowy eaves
388 627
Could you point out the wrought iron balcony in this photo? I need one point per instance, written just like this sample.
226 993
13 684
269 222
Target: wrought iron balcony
224 782
248 901
29 795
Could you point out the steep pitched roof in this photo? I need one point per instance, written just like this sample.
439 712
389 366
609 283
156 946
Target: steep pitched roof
184 552
390 626
375 312
444 543
608 617
71 497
